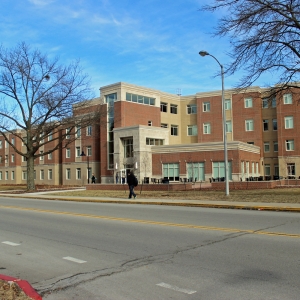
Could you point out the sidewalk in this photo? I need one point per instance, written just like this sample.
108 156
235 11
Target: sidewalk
292 207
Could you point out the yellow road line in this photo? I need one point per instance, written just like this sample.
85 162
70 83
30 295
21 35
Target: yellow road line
234 230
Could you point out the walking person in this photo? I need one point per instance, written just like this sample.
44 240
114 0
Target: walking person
132 183
93 178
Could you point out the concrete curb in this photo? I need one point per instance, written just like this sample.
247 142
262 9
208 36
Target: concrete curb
24 285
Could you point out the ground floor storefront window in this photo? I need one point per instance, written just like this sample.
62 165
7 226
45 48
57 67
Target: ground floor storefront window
219 170
195 171
171 171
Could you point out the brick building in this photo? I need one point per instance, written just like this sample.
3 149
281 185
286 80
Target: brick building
161 135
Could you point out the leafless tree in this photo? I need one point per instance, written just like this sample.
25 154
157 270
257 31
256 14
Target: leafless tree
265 38
41 102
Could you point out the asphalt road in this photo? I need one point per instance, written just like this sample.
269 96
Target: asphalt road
70 250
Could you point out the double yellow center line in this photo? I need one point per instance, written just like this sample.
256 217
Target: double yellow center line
233 230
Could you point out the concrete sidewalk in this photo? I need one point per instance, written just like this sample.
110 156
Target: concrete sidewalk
293 207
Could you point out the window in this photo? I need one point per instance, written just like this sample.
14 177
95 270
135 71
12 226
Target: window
68 174
163 107
24 158
42 155
287 99
291 169
0 158
174 129
89 150
265 103
191 109
274 124
173 109
192 130
78 131
228 126
206 106
249 125
276 170
248 102
49 156
89 130
140 99
42 174
267 170
195 171
149 123
275 146
250 143
0 175
219 170
289 122
12 175
227 104
273 102
24 175
6 144
12 141
154 142
6 175
12 158
128 147
265 125
0 144
50 136
24 141
78 173
50 174
163 125
171 171
78 151
289 145
68 131
68 152
266 147
206 128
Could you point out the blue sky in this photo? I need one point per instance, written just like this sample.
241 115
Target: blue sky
152 43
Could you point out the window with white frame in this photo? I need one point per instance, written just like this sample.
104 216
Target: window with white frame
267 170
89 130
78 173
42 137
164 125
78 151
163 107
50 174
228 126
68 133
6 144
68 174
78 131
289 122
49 156
12 175
256 168
12 158
12 141
6 175
289 145
253 168
276 170
50 136
42 175
128 147
227 104
174 130
24 158
249 125
171 171
68 152
287 99
248 102
42 155
265 125
266 147
192 130
206 106
24 175
274 121
191 109
173 109
0 175
291 170
275 146
0 144
89 150
0 158
206 128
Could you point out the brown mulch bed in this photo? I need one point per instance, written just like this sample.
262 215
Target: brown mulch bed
11 291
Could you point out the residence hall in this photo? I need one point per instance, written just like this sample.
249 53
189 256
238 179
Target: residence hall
175 138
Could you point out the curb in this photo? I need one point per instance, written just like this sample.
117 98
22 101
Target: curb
24 285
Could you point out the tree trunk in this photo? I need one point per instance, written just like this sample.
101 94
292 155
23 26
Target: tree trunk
30 174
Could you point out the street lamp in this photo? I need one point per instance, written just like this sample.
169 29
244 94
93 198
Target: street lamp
88 164
205 53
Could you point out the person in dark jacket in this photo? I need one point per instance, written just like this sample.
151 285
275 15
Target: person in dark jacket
131 181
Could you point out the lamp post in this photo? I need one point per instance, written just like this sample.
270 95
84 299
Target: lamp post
88 164
205 53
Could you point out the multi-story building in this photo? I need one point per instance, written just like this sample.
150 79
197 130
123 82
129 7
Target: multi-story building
174 137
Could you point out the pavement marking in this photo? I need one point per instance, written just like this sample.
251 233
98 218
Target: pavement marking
10 243
79 261
235 230
175 288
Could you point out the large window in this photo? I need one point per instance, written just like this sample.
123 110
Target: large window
274 124
228 126
128 147
171 171
140 99
78 151
291 169
78 173
164 107
50 174
42 177
68 174
248 102
249 125
173 109
192 130
289 122
219 170
174 130
89 130
287 99
267 170
227 104
266 147
191 109
195 171
289 145
206 106
275 146
206 128
266 125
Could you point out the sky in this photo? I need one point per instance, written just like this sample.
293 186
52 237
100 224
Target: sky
150 43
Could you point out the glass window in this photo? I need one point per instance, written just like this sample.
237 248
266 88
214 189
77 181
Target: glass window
265 103
227 104
206 128
6 175
192 130
42 155
274 124
291 169
174 129
265 125
273 102
289 122
248 102
228 126
191 109
249 125
171 171
50 174
206 106
287 99
267 170
78 131
68 131
49 156
24 175
275 145
195 171
50 136
289 145
68 152
266 147
219 170
68 174
140 99
163 107
12 141
0 144
149 123
89 130
12 158
163 125
154 142
78 151
173 109
42 174
89 150
78 173
128 147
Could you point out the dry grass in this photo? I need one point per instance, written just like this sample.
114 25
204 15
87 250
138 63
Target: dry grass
11 291
286 195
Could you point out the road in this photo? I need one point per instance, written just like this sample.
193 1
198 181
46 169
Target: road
71 250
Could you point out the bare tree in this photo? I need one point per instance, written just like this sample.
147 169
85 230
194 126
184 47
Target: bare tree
265 38
41 99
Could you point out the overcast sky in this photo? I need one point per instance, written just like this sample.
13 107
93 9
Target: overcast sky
152 43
